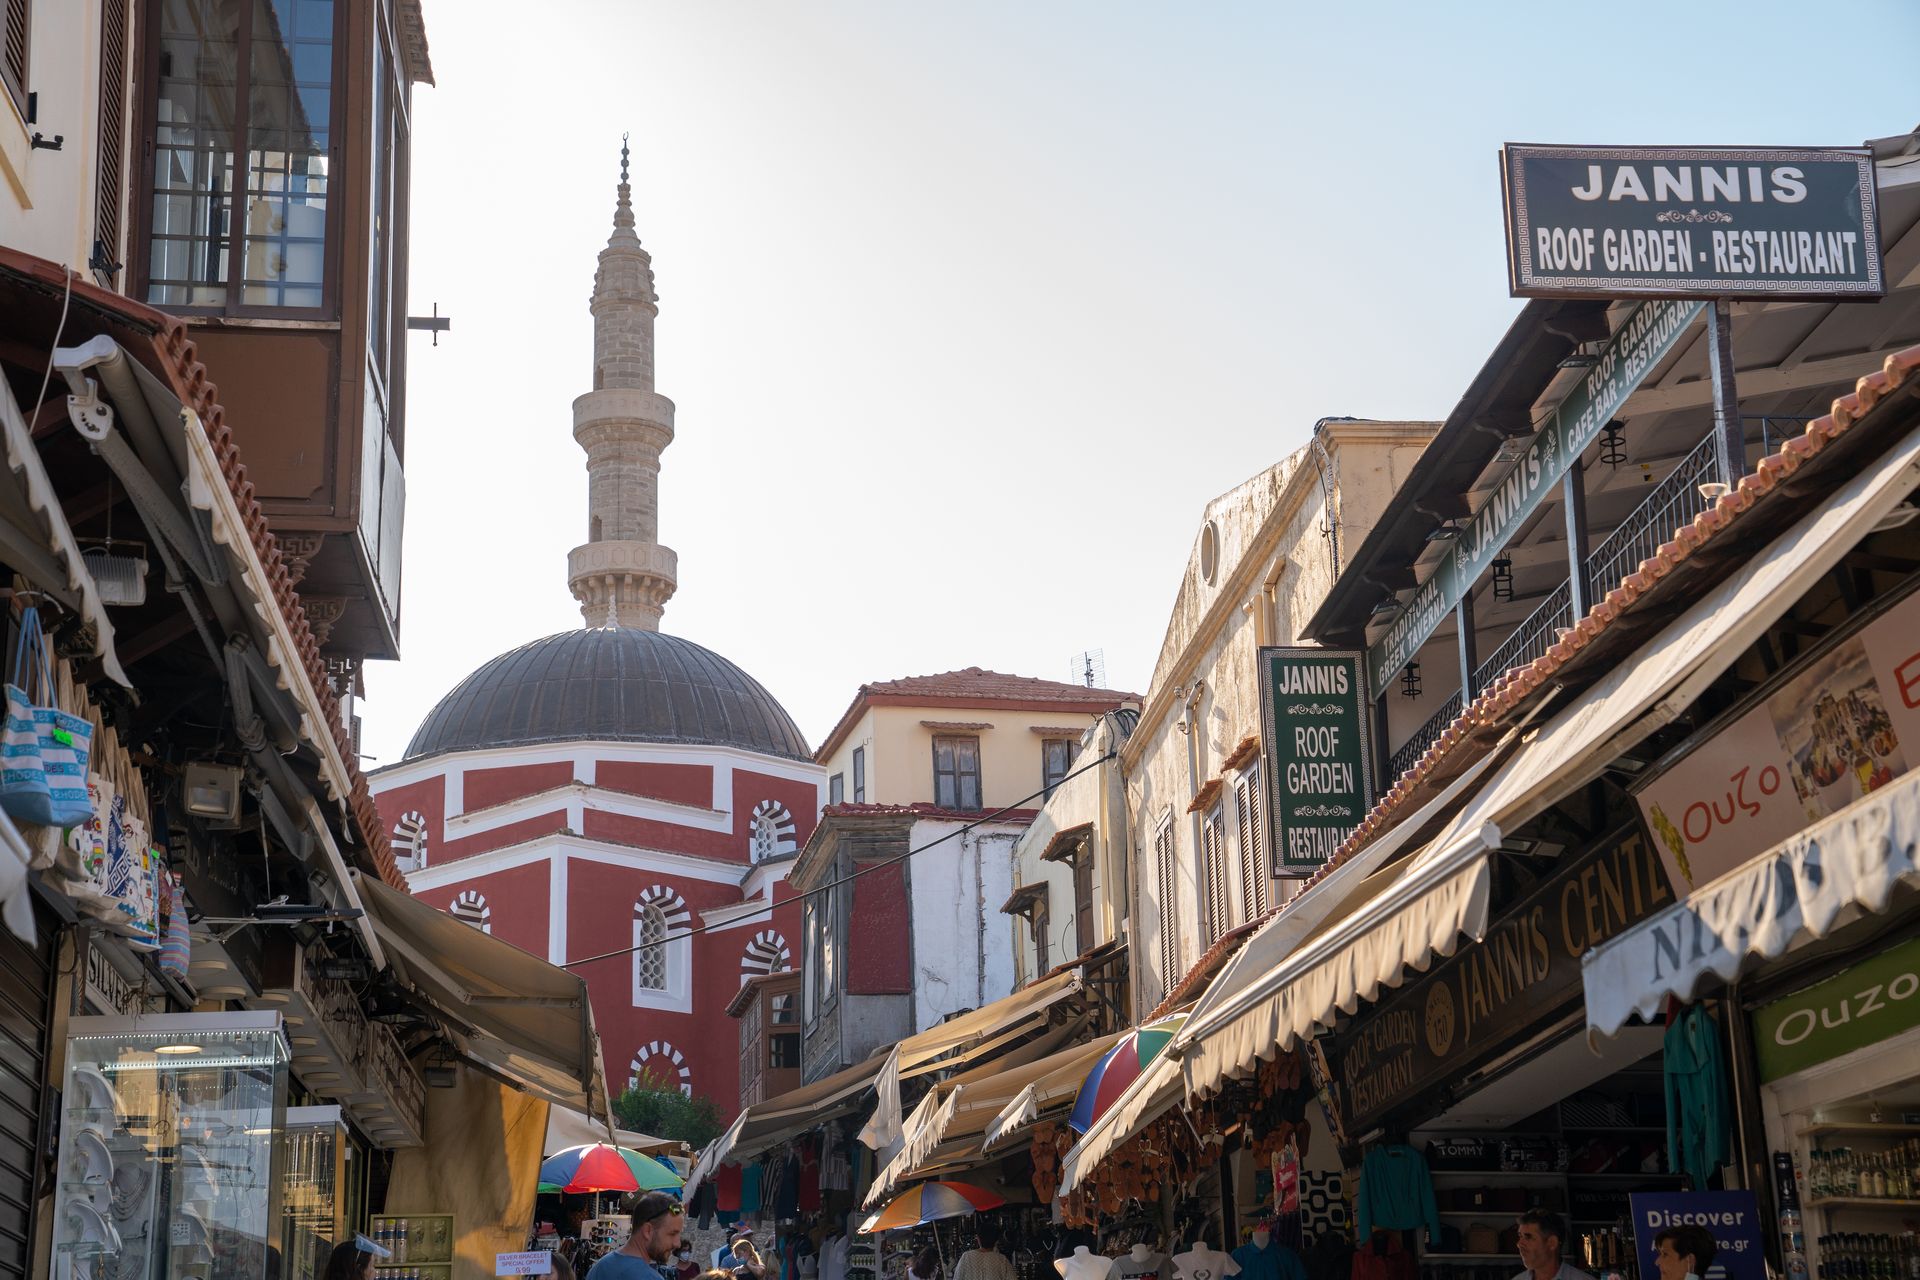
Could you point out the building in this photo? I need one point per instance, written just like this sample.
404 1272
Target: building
1265 555
952 764
616 790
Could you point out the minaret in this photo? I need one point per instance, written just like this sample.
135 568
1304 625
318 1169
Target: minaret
622 575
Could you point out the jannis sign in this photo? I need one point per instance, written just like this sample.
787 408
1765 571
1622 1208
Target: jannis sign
1317 750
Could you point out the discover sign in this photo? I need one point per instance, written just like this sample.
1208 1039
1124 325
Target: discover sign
1318 752
1691 222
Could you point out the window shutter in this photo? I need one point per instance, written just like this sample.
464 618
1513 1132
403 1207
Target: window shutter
13 54
1213 866
1256 881
1169 939
110 182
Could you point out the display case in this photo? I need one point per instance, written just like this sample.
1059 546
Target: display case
168 1160
319 1190
421 1244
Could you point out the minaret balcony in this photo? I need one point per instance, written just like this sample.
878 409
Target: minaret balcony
622 560
647 414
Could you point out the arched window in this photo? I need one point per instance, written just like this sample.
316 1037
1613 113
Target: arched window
767 953
772 829
659 1063
661 954
471 908
650 962
410 841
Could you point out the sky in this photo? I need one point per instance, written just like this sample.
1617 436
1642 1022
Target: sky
968 308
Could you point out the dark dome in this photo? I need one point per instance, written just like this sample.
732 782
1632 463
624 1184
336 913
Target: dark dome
609 683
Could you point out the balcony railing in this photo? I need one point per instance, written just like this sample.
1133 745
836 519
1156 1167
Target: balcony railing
1674 501
1423 737
1530 639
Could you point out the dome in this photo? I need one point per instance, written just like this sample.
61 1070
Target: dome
617 684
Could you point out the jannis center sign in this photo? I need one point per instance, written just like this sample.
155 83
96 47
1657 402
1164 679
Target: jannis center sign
1691 222
1318 752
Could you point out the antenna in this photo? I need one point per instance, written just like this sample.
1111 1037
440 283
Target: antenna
1089 669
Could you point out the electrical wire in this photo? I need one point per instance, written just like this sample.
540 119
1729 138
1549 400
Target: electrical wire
866 870
59 332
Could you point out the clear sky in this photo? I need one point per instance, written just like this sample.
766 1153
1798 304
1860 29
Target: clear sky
969 307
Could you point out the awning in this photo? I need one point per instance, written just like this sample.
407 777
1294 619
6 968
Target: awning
1798 891
767 1124
512 1014
1050 1096
569 1128
952 1042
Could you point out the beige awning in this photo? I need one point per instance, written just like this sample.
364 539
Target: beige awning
1050 1095
767 1124
569 1128
511 1013
1796 892
957 1040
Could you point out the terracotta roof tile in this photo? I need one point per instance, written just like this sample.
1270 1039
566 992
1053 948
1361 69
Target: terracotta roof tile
977 682
1509 689
1206 966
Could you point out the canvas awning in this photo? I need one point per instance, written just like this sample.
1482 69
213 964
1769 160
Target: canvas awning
1796 892
1048 1096
957 1041
510 1013
767 1124
569 1128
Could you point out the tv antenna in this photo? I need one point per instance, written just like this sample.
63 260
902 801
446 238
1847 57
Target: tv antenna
1090 669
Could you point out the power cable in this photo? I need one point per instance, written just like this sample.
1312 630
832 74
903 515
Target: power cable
866 870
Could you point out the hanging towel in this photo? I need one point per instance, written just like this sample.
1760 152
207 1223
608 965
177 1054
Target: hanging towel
1695 1065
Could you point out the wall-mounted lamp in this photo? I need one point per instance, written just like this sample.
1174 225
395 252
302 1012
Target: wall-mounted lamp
1410 681
1613 445
1503 578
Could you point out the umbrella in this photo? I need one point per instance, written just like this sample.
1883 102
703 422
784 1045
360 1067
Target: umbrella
1119 1067
601 1167
929 1202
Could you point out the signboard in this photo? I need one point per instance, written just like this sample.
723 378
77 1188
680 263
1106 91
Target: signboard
535 1262
1873 1001
1846 725
1691 222
1732 1218
1643 340
1317 742
1494 993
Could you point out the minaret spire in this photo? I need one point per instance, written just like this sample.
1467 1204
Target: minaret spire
622 575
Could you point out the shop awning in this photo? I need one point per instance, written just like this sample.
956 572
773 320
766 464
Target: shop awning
511 1013
957 1040
767 1124
569 1128
1048 1097
1796 892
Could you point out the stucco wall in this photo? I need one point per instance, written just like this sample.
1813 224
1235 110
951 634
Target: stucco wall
900 751
47 197
962 945
1276 562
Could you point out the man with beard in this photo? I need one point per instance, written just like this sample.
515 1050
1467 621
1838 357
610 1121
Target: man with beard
648 1252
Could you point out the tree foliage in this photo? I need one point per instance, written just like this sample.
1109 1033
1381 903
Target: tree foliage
656 1107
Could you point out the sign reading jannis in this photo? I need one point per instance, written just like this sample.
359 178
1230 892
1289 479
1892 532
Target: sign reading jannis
1318 749
1691 222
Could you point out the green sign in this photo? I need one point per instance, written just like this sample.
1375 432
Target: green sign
1641 342
1692 222
1318 750
1875 1000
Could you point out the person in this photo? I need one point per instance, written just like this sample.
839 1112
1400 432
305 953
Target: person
925 1265
723 1257
984 1261
657 1226
559 1267
1543 1234
685 1268
1684 1252
747 1264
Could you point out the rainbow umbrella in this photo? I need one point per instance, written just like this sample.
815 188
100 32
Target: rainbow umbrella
930 1202
1119 1067
599 1166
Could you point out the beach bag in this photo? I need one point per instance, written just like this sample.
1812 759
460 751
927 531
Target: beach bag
43 750
176 948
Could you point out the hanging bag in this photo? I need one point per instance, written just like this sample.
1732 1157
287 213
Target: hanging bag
43 750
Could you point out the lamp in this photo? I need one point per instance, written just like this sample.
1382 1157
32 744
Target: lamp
1388 606
1446 531
1503 578
1410 681
1613 445
212 790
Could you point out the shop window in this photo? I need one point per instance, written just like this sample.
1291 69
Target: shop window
956 772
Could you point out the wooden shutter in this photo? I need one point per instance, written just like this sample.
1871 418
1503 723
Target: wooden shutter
13 53
1169 939
1256 878
1083 898
1213 867
110 183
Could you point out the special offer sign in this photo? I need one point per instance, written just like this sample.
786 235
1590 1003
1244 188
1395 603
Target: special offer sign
1847 725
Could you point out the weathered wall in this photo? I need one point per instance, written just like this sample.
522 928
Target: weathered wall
47 197
962 945
481 1163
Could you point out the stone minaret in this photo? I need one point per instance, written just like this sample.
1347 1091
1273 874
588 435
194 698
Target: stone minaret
622 575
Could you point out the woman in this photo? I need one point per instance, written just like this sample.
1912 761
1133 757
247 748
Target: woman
559 1267
353 1259
924 1265
747 1261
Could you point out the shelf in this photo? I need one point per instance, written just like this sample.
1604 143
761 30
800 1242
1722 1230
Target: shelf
1858 1126
1630 1173
1862 1202
1494 1173
1467 1257
1621 1128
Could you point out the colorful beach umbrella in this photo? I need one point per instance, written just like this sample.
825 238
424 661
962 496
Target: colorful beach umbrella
600 1166
930 1202
1119 1067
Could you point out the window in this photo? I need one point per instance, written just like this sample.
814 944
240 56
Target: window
471 908
1256 877
242 142
772 832
783 1051
764 839
1213 873
781 1012
1042 925
1056 760
650 961
956 772
391 134
824 948
1163 857
859 775
13 53
1083 897
837 788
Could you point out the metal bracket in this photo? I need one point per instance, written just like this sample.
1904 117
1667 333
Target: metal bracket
91 416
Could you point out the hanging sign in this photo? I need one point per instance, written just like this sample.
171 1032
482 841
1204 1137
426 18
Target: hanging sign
1691 222
1638 346
1492 994
1872 1002
1732 1218
1839 729
1318 749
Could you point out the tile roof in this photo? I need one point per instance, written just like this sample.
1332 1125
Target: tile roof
923 810
975 687
171 356
1506 694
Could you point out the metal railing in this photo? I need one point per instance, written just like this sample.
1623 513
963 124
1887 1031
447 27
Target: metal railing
1423 737
1530 639
1674 501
